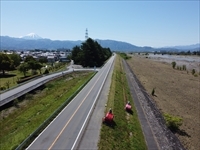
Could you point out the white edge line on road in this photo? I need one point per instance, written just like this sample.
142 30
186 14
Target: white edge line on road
91 109
52 121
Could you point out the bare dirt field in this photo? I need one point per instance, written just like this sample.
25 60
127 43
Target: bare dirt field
177 92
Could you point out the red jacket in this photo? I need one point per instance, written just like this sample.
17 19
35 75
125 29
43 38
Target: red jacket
109 116
128 106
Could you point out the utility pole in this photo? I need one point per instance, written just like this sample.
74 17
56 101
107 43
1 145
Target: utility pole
86 34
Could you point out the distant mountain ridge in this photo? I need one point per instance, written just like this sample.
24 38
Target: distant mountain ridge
185 47
33 41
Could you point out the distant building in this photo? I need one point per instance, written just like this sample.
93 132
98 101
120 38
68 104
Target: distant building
51 58
63 59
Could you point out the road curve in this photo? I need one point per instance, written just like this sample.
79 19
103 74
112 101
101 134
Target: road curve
65 131
14 93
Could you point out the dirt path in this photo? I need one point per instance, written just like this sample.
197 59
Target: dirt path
177 93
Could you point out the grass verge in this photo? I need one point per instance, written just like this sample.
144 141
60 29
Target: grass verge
25 119
127 132
10 79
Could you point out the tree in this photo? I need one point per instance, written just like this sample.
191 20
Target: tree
173 64
33 64
193 71
43 60
24 67
76 55
38 66
5 63
90 54
16 59
29 58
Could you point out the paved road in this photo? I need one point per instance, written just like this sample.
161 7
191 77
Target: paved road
14 93
90 138
67 128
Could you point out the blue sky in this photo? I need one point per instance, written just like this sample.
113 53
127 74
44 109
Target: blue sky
141 23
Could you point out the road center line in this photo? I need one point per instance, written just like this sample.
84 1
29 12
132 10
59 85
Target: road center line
91 108
73 114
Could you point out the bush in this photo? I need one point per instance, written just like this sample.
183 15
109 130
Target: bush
184 67
46 71
173 122
2 88
34 72
193 71
173 64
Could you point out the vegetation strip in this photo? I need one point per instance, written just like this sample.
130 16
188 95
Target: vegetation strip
126 132
26 119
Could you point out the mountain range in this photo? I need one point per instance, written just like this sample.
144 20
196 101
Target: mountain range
34 41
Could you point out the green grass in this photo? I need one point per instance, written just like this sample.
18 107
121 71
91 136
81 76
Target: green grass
12 77
26 119
127 132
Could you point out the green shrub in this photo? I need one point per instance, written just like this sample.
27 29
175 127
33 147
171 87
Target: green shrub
34 72
173 122
2 88
193 71
184 67
46 71
7 84
173 64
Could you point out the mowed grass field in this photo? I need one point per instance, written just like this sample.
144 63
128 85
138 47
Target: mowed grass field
17 122
177 93
126 134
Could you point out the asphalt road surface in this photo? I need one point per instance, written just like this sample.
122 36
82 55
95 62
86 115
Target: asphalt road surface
14 93
65 131
27 87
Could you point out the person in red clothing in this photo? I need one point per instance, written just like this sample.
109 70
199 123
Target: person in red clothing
128 106
109 117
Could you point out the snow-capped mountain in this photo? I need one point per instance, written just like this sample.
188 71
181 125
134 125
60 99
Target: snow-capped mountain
31 36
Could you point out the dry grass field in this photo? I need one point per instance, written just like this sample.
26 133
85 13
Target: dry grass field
177 93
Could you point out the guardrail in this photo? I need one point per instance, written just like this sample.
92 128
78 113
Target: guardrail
32 136
10 98
42 75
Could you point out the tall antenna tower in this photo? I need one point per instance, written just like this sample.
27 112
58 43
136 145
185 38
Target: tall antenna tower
86 34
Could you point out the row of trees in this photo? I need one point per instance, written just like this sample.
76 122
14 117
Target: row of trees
30 63
10 62
178 53
90 54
